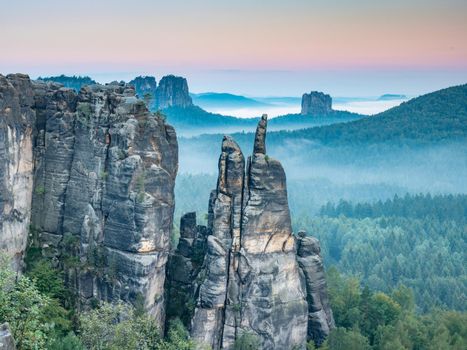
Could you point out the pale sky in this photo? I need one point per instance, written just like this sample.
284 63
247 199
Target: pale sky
269 47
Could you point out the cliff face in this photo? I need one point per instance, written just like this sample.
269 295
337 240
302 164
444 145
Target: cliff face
252 280
172 92
320 319
102 194
16 163
145 88
316 103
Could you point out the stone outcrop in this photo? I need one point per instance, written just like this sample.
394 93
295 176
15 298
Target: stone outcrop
17 119
102 192
320 319
172 92
316 103
6 338
183 268
145 87
252 280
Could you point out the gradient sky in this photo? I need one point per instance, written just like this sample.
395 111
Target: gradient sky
269 47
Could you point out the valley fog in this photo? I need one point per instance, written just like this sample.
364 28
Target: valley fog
317 174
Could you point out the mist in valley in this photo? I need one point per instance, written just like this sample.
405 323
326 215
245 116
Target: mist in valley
317 174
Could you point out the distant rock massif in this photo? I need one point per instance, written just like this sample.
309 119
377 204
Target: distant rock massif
257 277
316 103
87 179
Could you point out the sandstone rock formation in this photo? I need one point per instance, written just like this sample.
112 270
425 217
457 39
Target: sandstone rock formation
17 119
172 92
183 268
145 88
316 103
6 338
102 194
251 280
320 319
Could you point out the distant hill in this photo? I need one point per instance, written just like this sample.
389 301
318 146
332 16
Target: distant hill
72 82
437 116
193 121
224 100
389 97
434 120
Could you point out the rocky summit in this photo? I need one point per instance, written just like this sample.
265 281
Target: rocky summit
256 277
172 92
316 103
145 87
88 178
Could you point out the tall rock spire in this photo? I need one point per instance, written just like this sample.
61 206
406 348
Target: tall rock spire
260 136
253 280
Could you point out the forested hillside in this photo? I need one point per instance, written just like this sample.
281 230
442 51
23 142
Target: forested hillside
418 241
194 121
435 117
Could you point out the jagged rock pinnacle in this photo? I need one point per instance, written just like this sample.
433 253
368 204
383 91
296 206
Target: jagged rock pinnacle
260 137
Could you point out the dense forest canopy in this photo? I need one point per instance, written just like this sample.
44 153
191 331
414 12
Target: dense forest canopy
419 241
72 82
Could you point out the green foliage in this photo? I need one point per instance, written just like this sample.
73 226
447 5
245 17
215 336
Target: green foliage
118 326
24 308
40 190
369 320
247 341
417 241
69 342
344 339
84 114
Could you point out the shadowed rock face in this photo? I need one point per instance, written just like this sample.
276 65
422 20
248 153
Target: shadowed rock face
320 319
316 103
251 280
172 92
102 193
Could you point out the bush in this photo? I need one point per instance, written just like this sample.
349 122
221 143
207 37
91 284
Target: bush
247 341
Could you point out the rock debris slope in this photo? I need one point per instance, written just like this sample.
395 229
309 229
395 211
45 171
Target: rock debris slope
252 280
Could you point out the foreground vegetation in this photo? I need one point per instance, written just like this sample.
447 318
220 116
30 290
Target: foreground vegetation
396 279
365 319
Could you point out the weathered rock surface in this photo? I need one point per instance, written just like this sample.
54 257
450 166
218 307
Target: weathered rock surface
316 103
320 319
172 92
16 163
183 269
253 279
104 173
6 338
